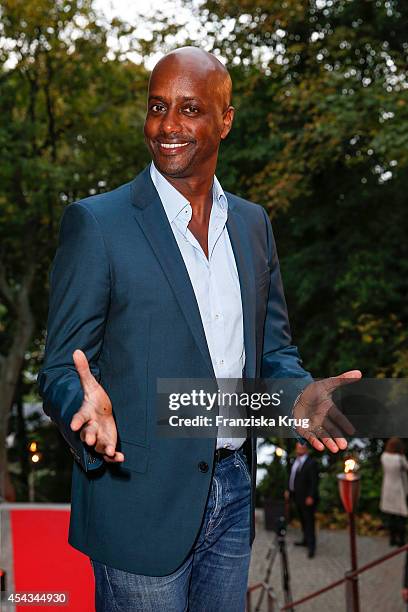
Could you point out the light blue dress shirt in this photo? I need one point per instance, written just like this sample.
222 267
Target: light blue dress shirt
215 282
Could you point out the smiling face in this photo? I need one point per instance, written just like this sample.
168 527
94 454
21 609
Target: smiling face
188 113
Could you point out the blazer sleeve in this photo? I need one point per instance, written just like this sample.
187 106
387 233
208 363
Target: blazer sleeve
280 358
78 307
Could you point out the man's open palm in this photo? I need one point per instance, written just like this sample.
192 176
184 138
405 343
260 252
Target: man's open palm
95 418
327 424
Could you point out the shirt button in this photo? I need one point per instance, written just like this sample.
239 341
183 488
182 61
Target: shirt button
203 466
221 362
217 316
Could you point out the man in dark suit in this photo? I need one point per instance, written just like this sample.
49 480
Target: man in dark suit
167 276
303 488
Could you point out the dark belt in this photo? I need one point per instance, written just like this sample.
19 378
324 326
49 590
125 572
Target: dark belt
222 453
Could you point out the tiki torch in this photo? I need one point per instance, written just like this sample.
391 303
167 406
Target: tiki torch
349 489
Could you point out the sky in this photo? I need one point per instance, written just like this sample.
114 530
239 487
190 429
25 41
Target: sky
138 12
131 11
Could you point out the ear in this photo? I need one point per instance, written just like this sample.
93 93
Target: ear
227 119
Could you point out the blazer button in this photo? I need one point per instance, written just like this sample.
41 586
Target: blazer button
203 466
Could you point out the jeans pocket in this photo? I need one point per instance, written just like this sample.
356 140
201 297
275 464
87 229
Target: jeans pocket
244 466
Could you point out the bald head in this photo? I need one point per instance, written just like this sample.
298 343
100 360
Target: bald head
188 113
203 65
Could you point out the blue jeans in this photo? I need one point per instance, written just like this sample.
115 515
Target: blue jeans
214 576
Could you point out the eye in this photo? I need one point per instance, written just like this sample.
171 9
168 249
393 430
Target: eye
191 110
157 108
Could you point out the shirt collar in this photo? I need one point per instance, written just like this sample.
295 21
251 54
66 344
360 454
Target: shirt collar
174 202
219 196
302 459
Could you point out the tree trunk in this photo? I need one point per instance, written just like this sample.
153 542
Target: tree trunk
21 436
12 364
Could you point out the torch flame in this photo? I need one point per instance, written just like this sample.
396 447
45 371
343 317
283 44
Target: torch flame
349 465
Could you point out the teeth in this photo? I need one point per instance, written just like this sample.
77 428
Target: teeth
173 146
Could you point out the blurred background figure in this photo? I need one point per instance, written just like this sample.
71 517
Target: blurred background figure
394 489
303 489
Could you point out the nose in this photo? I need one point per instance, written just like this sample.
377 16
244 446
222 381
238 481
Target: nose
171 122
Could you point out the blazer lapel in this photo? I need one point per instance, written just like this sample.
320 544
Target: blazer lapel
243 258
150 215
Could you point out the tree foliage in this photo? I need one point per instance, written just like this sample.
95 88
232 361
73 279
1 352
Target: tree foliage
320 139
71 114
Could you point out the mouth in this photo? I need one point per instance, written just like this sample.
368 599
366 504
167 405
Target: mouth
172 148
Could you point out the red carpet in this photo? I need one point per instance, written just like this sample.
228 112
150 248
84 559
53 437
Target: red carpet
44 561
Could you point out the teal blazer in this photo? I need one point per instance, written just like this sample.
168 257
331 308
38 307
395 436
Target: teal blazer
119 291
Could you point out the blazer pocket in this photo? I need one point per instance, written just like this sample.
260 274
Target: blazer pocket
136 456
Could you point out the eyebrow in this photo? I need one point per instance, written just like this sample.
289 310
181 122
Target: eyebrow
183 98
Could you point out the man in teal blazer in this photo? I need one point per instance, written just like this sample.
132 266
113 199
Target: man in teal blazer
126 306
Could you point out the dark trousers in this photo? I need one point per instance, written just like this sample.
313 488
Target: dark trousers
307 520
397 527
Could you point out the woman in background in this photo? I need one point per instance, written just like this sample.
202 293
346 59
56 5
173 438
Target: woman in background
394 489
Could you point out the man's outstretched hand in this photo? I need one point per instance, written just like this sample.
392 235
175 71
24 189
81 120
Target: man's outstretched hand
327 424
95 417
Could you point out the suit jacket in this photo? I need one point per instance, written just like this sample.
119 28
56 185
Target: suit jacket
119 291
307 481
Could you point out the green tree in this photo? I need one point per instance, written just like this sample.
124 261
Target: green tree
71 113
321 139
